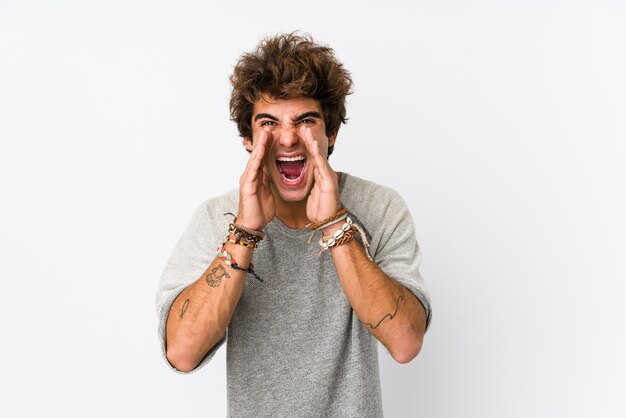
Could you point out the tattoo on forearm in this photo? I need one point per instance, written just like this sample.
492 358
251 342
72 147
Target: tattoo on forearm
390 316
214 278
184 308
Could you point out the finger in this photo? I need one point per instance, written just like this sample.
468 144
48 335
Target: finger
250 159
313 196
261 145
312 145
307 136
267 140
264 143
256 158
266 190
313 151
322 167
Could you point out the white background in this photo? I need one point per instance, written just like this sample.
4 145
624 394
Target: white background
501 123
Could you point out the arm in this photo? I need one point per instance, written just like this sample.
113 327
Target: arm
387 309
200 314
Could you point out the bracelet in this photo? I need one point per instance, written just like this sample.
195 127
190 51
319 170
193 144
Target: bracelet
228 259
317 225
345 238
239 241
344 235
336 218
334 221
259 234
239 233
334 240
242 231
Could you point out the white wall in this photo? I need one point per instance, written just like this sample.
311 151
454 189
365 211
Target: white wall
501 123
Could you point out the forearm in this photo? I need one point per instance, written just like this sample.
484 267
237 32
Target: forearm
386 308
201 313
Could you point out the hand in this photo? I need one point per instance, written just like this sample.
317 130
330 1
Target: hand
324 200
256 201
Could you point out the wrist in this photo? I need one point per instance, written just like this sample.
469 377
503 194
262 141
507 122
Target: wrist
254 223
243 253
242 235
245 242
256 226
330 230
330 221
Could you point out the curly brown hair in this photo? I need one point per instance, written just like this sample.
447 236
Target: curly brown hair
287 66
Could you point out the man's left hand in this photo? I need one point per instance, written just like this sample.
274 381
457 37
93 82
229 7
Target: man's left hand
324 200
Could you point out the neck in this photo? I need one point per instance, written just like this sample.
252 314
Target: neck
292 214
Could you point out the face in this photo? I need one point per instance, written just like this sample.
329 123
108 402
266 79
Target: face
288 122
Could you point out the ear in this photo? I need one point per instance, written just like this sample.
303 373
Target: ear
332 138
247 142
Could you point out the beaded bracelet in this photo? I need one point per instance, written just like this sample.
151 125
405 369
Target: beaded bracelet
228 259
236 230
345 238
329 242
240 241
336 218
244 232
345 235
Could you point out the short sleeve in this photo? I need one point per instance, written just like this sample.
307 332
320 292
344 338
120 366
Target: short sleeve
191 257
397 252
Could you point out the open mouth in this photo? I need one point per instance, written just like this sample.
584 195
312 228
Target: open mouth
291 169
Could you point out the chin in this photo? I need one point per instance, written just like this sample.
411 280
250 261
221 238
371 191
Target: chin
292 194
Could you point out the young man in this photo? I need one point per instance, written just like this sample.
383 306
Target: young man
303 326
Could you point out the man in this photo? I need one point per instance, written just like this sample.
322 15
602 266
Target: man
303 326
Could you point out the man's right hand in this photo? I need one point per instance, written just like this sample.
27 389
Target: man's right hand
256 201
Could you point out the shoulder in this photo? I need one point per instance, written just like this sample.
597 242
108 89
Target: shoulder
209 215
361 193
379 210
218 205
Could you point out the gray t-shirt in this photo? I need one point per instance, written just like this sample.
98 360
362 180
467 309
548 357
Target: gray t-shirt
295 346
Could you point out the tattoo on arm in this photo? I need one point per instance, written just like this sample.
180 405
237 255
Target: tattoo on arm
214 278
184 309
390 316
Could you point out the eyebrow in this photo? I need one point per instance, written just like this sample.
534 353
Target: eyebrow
266 116
297 118
308 115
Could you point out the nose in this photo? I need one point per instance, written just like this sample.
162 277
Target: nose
288 136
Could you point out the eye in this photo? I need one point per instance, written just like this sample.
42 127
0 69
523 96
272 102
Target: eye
268 123
308 121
